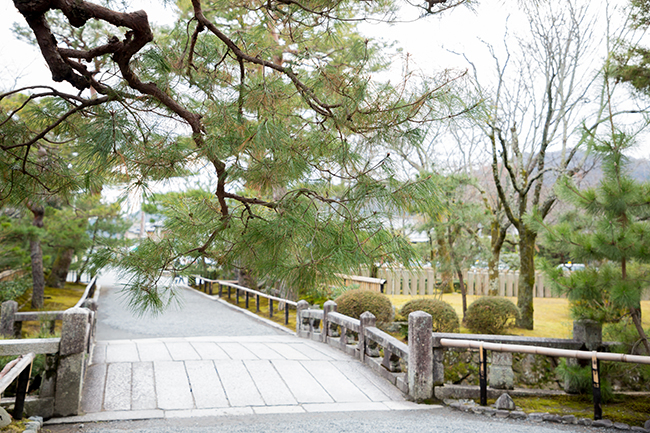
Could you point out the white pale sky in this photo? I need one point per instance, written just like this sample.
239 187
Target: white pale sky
432 44
427 41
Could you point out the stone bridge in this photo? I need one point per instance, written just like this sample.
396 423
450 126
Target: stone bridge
204 357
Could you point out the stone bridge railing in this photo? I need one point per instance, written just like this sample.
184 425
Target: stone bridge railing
66 357
408 367
417 369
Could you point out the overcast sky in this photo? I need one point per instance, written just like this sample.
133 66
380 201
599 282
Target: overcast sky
427 41
432 44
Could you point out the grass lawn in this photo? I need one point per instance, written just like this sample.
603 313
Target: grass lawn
552 317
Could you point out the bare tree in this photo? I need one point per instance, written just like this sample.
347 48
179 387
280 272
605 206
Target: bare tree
536 107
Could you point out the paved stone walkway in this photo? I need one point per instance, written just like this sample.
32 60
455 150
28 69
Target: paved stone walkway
211 376
214 375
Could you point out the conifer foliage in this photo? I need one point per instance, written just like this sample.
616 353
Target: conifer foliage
614 238
275 98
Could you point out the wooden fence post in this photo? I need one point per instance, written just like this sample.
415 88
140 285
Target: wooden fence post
420 362
72 363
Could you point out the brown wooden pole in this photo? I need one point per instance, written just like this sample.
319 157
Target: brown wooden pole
595 387
483 374
21 391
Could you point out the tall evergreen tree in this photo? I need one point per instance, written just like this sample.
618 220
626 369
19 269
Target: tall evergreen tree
274 98
615 239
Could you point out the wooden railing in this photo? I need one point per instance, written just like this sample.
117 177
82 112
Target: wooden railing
364 283
207 285
593 356
65 362
18 368
423 357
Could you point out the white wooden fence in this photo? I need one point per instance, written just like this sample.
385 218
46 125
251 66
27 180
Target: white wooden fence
418 282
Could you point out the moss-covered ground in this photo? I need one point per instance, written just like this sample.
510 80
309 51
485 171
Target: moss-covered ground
55 300
15 426
631 410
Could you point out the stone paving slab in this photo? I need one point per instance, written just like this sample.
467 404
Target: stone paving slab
208 376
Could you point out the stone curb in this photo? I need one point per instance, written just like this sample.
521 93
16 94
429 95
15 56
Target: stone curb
34 424
471 406
395 406
241 310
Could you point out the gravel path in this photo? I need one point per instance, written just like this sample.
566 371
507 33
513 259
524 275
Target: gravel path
439 420
193 315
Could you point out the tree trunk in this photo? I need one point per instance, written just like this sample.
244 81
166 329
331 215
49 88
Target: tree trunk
636 318
496 242
83 267
36 254
60 268
459 272
246 278
447 275
526 276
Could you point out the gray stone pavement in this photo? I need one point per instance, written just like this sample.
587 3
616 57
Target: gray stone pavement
206 358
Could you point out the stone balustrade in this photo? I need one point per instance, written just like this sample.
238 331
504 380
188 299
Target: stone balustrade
66 358
406 366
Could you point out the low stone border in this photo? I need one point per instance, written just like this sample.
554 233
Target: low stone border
473 407
34 424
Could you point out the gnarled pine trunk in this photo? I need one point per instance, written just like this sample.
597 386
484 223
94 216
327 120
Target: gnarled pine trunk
36 254
60 268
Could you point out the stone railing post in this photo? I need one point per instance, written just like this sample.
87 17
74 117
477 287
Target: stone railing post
501 375
438 370
368 320
420 362
590 333
72 352
302 305
328 307
7 319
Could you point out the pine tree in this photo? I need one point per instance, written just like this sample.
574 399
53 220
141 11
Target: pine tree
276 99
614 237
455 226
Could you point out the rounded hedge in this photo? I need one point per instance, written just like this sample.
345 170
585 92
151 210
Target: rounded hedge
355 302
490 315
444 316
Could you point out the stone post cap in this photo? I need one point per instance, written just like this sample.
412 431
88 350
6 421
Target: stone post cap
331 304
367 315
74 331
302 305
420 315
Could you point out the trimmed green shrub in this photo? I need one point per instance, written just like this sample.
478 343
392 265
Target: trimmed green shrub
490 315
355 302
10 290
579 380
444 316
